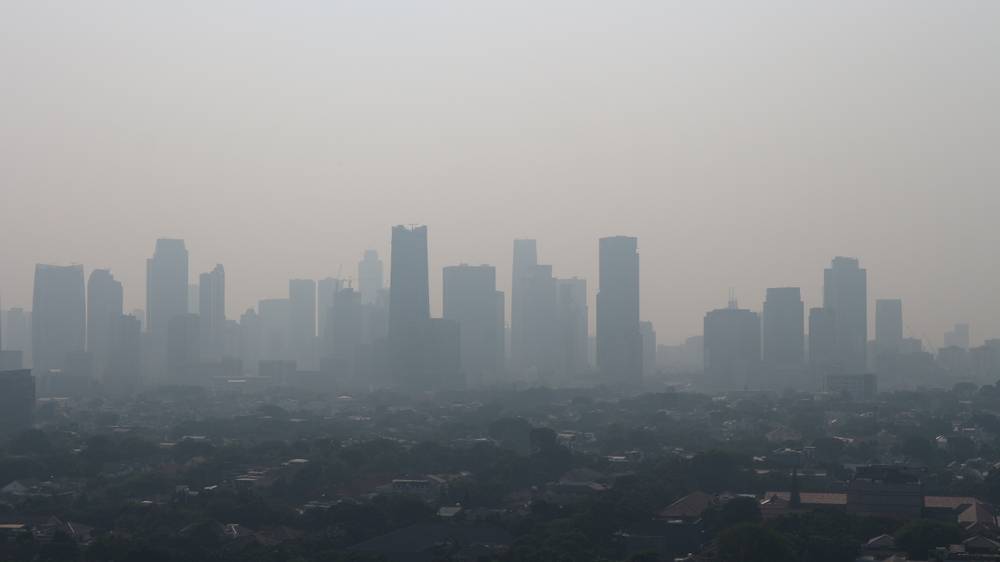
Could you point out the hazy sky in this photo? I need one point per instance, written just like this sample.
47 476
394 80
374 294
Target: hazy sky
744 143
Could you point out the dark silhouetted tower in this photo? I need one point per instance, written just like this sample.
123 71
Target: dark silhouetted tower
732 348
572 327
409 299
104 310
845 293
212 307
619 343
783 327
59 320
166 294
302 318
370 277
888 326
470 299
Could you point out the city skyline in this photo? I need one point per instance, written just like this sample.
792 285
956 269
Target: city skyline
743 155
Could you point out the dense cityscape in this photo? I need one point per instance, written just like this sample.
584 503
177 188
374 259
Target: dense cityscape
345 423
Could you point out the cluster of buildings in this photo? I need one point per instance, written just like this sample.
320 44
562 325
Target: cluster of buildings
774 351
78 335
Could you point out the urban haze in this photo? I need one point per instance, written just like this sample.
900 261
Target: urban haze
516 281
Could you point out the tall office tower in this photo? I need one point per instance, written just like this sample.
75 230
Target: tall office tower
17 333
648 334
409 302
534 336
194 298
784 327
302 318
326 290
183 344
59 319
212 315
572 327
275 320
166 294
104 308
470 299
346 331
141 315
619 344
250 340
957 337
375 319
17 400
370 277
732 348
125 363
888 326
845 293
525 263
823 358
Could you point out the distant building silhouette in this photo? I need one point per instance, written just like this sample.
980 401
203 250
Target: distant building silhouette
732 348
470 299
17 333
572 327
845 293
888 325
104 310
166 295
346 330
784 327
58 316
275 321
370 280
17 400
326 290
302 321
534 341
125 362
212 304
409 303
619 344
183 345
823 358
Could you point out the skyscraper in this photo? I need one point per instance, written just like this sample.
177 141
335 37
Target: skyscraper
212 315
534 336
845 294
275 321
346 330
166 293
125 363
470 299
326 289
302 330
822 344
783 328
572 327
732 348
370 277
409 300
17 333
888 326
59 317
619 344
17 400
104 309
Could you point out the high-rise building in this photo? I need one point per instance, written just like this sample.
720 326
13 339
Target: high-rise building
524 275
888 326
59 316
302 316
370 277
732 348
822 343
125 364
648 334
194 298
619 344
104 309
409 302
212 315
783 328
183 344
166 294
346 331
572 327
17 400
326 290
250 340
957 337
470 299
275 321
845 293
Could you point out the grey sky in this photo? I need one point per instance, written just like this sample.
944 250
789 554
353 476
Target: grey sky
744 143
